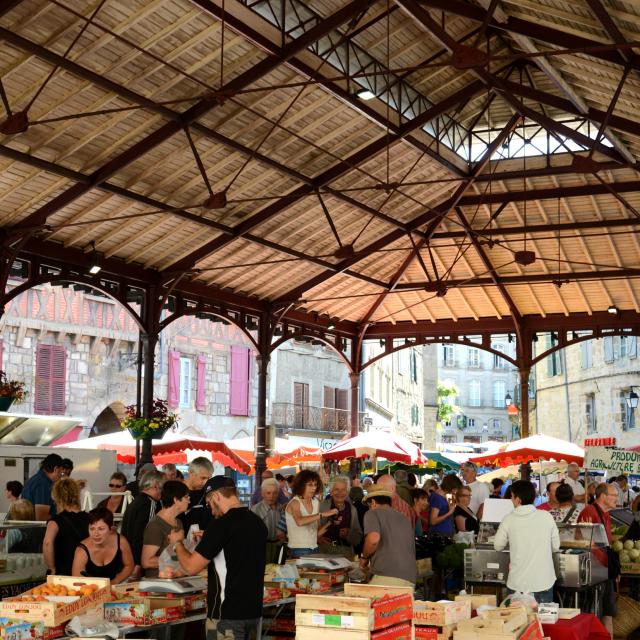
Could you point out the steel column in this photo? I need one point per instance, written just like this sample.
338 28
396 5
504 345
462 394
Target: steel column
354 379
262 360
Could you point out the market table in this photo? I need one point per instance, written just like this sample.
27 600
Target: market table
584 626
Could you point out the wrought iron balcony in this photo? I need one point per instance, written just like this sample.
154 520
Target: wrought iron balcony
286 415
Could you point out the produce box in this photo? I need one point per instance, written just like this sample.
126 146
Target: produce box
144 611
350 612
192 601
195 601
479 599
441 613
33 605
331 578
483 629
402 631
630 568
435 633
24 630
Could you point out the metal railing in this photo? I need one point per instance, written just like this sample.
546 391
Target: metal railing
295 416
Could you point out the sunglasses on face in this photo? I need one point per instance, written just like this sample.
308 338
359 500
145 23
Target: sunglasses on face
115 486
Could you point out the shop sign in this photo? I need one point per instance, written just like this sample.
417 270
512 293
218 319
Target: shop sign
610 459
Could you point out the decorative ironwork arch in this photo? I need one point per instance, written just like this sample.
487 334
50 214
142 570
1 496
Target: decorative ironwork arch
312 336
186 311
426 342
596 335
60 279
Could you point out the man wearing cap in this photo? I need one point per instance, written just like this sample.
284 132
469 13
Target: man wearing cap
38 487
233 549
389 549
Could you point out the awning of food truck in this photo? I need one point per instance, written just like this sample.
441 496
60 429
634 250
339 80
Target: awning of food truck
34 430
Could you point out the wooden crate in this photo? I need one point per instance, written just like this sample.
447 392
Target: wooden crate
482 629
480 599
435 633
374 590
402 631
377 611
55 613
440 614
630 568
501 621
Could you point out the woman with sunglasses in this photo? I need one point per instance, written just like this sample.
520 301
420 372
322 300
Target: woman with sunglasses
117 484
463 515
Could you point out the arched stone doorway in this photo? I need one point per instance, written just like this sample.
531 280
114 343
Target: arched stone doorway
108 420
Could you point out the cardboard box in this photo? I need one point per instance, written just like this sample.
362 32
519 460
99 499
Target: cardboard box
144 611
54 614
354 613
442 613
25 630
479 599
397 632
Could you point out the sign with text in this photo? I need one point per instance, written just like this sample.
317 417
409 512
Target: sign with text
611 459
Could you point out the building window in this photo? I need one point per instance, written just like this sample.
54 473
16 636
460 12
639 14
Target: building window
495 424
498 361
473 357
447 423
590 413
607 349
471 423
627 415
415 415
624 347
185 383
300 404
51 377
447 355
554 361
413 366
499 393
586 354
475 399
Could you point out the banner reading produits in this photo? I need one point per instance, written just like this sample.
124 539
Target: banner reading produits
611 459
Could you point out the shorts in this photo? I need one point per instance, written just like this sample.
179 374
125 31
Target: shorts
232 629
609 607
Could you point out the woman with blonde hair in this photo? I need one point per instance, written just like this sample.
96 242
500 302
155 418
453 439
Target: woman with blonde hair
66 529
23 540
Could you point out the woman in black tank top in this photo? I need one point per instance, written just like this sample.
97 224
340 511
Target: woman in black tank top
104 554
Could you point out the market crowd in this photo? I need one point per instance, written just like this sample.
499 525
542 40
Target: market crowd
199 522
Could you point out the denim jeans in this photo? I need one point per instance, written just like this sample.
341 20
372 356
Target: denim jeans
540 596
299 553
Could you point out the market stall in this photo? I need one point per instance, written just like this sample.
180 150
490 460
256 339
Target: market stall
285 454
377 444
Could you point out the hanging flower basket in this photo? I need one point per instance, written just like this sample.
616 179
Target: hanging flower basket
155 427
10 391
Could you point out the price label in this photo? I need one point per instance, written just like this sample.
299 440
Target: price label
332 620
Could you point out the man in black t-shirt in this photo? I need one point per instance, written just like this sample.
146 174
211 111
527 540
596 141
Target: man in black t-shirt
200 470
233 548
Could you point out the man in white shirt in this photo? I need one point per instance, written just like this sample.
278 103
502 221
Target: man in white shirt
573 471
625 495
532 536
480 491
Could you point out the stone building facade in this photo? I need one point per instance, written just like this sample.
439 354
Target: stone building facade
483 380
430 393
581 391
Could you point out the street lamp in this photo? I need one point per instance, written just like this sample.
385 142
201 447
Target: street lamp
632 400
508 400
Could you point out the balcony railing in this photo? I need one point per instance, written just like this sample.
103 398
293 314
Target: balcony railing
295 416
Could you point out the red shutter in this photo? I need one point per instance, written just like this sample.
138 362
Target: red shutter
201 382
173 376
239 402
51 376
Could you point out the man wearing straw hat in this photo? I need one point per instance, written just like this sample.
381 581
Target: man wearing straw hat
389 551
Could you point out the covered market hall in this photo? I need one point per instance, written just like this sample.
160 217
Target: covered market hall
349 173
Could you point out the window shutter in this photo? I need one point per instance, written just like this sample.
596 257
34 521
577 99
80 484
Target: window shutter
50 385
633 348
239 402
1 352
342 399
201 382
329 398
608 349
173 384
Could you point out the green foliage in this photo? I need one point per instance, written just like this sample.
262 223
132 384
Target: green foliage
452 557
446 408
